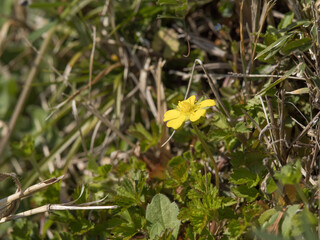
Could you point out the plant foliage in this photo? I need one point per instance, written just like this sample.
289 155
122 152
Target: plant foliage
84 87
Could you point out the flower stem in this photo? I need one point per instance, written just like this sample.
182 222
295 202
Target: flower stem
206 148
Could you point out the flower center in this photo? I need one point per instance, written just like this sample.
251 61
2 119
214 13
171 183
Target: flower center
185 107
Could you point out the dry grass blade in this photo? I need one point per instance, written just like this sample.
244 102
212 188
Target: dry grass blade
9 207
109 124
10 204
76 116
53 207
101 74
58 207
306 129
25 92
30 190
267 8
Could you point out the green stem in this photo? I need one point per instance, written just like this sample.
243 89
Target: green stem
206 148
302 195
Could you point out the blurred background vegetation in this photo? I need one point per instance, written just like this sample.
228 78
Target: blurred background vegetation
84 85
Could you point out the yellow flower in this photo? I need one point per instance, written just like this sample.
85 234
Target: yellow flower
186 110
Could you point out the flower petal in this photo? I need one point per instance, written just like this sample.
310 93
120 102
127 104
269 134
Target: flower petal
197 115
206 103
171 114
191 99
176 123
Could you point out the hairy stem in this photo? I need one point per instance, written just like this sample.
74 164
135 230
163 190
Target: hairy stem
206 148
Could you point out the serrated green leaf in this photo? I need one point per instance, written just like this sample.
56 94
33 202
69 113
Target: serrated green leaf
266 215
25 148
129 193
196 214
241 128
178 169
220 121
250 194
129 223
199 187
162 215
104 170
244 176
234 229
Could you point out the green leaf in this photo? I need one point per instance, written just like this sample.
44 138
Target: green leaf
220 121
38 33
199 186
303 23
250 194
284 77
162 215
266 215
92 163
205 206
242 128
272 49
196 214
147 140
234 229
271 220
23 229
226 8
308 223
178 169
251 159
289 174
300 44
267 236
286 21
166 41
271 186
25 148
244 176
129 223
130 192
81 227
287 221
271 35
104 170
